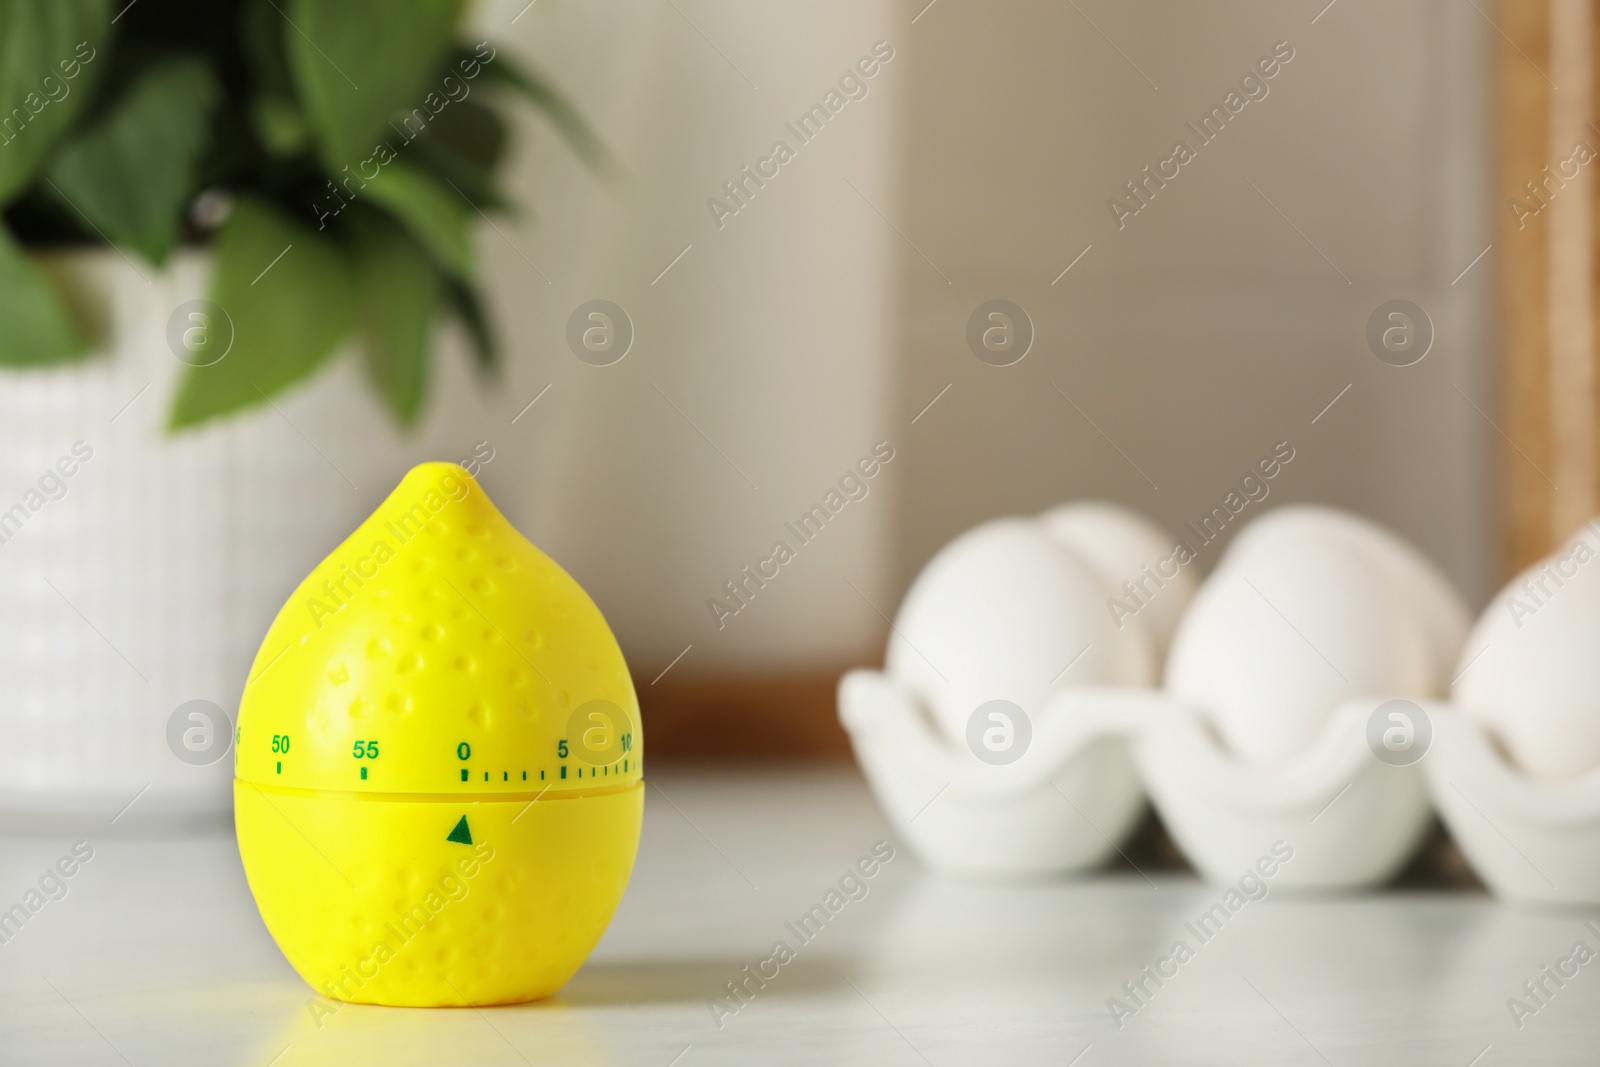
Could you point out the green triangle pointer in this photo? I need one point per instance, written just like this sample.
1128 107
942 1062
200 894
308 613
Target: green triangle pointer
461 835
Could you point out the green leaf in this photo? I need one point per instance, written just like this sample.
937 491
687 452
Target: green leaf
132 172
438 216
290 298
544 96
356 63
464 300
50 56
462 146
262 30
36 328
398 293
281 128
474 184
273 112
468 129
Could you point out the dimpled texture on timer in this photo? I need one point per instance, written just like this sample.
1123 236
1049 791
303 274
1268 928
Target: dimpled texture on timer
460 639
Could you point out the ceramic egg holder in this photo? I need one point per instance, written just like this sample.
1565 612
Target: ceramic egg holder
1062 806
1078 792
1532 841
1352 819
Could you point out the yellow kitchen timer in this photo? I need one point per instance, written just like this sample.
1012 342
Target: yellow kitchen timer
438 791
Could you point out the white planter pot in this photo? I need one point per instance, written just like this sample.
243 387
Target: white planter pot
151 578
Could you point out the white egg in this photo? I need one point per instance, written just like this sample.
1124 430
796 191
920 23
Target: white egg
1426 590
1530 670
1127 551
1002 612
1278 639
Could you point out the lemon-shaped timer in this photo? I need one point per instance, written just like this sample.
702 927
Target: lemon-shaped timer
438 791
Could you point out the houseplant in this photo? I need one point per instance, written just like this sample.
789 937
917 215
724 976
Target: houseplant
203 205
355 136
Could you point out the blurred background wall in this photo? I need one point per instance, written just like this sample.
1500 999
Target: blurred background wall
1231 310
1181 346
764 341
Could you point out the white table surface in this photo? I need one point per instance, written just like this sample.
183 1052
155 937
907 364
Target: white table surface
156 956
